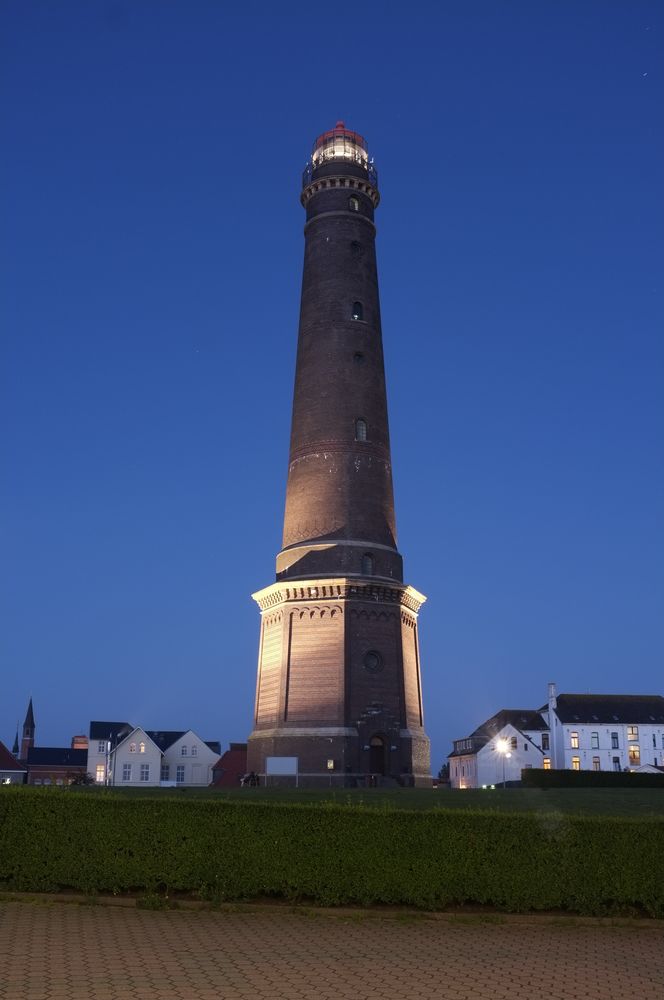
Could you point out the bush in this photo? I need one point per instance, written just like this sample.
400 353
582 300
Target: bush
538 778
53 840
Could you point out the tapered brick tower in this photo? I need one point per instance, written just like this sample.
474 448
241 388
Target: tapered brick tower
338 672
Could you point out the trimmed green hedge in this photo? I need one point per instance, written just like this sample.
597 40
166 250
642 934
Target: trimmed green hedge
538 778
52 840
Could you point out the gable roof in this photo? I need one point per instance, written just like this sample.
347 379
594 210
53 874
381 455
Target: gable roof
8 761
167 737
112 730
164 738
519 718
123 738
628 709
57 757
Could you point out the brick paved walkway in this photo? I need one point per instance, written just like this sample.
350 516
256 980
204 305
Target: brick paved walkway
65 951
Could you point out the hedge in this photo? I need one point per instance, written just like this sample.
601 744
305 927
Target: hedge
539 778
54 840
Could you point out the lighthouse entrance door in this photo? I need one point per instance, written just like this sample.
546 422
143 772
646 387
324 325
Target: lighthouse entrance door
377 755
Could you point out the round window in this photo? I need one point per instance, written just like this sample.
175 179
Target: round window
373 661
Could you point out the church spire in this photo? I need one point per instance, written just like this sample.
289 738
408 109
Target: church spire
28 739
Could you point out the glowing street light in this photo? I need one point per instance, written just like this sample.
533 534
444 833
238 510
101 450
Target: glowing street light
503 748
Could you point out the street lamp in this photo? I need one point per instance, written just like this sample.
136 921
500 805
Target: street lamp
503 748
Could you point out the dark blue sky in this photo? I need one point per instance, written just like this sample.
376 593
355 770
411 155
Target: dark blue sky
151 263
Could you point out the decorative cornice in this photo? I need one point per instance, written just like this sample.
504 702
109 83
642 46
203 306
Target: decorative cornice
339 589
344 181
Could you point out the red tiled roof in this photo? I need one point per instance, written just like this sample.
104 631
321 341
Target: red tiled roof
230 767
8 762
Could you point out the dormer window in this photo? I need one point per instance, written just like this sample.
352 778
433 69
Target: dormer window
360 430
358 311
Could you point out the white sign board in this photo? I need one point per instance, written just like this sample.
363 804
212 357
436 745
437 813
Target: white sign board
281 765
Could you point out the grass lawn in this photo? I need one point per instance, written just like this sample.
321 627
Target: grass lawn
592 801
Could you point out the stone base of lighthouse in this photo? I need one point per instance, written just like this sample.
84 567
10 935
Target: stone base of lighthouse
339 684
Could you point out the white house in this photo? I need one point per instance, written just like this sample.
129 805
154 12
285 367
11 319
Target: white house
600 732
499 749
125 756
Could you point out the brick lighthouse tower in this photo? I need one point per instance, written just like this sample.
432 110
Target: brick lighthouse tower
339 669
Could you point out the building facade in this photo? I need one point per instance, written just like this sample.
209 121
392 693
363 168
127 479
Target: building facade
129 756
579 732
339 683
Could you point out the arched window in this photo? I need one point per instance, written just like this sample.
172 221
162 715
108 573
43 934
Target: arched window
358 311
132 748
360 430
367 564
141 747
354 204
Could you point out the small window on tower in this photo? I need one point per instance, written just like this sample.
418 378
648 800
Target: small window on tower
360 430
354 204
358 311
367 564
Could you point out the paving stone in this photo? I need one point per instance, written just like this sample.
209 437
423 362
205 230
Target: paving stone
66 952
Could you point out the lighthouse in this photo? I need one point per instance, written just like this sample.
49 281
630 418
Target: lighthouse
339 688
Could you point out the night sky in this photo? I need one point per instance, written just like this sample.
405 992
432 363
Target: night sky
151 243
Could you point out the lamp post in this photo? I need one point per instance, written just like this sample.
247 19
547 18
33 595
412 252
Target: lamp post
503 748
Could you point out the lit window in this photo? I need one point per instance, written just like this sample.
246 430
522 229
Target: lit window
179 773
101 746
100 773
194 751
632 732
545 741
358 311
546 763
126 772
596 766
183 751
634 755
594 741
616 763
354 204
141 747
145 772
576 763
614 742
367 564
360 430
165 771
574 741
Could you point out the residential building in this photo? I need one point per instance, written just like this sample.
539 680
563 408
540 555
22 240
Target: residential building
130 756
499 749
12 771
55 765
600 732
231 766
